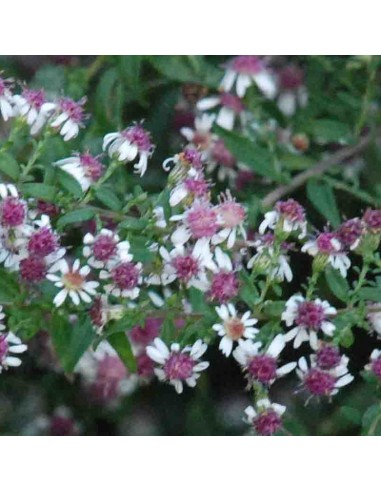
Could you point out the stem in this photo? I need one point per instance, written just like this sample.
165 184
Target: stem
361 280
33 158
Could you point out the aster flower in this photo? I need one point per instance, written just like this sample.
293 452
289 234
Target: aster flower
124 276
224 284
178 366
8 189
266 418
292 91
12 247
201 136
288 215
264 258
262 365
85 168
187 266
199 221
10 347
32 106
72 282
103 247
43 242
350 232
246 70
233 328
105 376
190 158
192 186
323 382
128 144
232 217
6 99
231 107
70 117
328 247
372 220
310 317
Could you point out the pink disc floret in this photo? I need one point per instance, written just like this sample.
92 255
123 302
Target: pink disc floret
310 315
178 366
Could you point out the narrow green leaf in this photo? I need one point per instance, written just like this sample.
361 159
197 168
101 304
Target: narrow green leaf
338 285
108 197
39 190
75 216
9 166
121 344
323 199
257 158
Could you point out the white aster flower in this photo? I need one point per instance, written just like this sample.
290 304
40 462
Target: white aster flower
262 365
231 107
104 247
178 366
233 328
72 281
310 317
266 418
70 117
10 347
124 276
128 144
32 106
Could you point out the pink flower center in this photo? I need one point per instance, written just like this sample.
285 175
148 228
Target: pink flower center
328 357
372 218
12 212
73 109
232 102
33 269
222 155
350 231
262 368
291 78
43 242
224 287
104 247
376 367
73 280
231 213
95 312
192 157
35 98
310 315
250 64
179 366
186 267
327 243
202 221
138 136
267 423
234 328
47 208
319 383
4 346
198 187
291 209
126 276
92 167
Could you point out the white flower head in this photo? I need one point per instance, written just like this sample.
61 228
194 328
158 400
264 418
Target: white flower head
266 417
105 247
124 276
178 366
10 347
85 168
233 328
129 144
327 245
310 317
288 215
69 117
72 282
231 107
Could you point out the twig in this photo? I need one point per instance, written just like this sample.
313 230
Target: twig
298 180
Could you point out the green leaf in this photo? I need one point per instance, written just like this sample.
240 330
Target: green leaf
9 166
134 224
244 150
69 183
80 215
121 344
338 285
9 290
330 131
39 190
371 421
352 415
70 342
108 197
248 292
274 309
323 199
370 294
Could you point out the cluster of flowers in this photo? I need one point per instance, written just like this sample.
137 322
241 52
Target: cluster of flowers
285 85
198 245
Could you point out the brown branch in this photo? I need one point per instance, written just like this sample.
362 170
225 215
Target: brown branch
298 180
